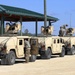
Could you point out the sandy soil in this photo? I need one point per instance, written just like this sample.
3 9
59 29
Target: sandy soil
54 66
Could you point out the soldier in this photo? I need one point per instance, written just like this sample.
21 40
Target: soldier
62 30
27 50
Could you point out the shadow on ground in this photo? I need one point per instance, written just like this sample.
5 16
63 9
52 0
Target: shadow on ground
53 56
18 61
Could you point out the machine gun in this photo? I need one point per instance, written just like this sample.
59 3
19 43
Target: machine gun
70 31
47 30
14 28
66 31
62 30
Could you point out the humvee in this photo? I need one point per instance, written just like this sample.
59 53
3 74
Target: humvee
69 45
13 47
67 35
51 45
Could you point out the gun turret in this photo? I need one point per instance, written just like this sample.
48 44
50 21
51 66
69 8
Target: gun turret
14 28
62 30
66 31
47 30
70 31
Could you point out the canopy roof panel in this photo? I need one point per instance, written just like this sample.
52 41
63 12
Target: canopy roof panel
14 14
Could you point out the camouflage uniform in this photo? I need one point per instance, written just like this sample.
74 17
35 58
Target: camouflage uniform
62 31
27 50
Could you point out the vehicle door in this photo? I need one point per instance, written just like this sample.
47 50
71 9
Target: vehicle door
59 45
54 45
34 46
20 47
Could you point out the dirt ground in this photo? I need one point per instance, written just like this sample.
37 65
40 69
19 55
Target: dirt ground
54 66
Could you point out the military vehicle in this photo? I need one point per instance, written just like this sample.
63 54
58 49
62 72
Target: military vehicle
69 40
12 46
62 44
49 45
69 45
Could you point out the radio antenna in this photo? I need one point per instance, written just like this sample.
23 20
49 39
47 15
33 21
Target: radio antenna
70 19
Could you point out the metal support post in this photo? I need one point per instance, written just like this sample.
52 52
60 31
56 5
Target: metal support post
36 28
2 25
45 16
49 23
21 25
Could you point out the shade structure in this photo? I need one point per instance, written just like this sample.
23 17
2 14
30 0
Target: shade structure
14 13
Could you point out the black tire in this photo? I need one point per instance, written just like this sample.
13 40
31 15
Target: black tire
33 58
10 58
62 54
3 61
72 50
47 54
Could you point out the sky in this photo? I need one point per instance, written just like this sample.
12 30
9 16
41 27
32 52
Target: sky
64 10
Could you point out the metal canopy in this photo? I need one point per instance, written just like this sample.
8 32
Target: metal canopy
14 14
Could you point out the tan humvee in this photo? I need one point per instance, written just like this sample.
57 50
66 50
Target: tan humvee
51 45
69 43
69 40
13 47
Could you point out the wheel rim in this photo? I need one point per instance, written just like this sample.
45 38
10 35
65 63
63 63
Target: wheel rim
12 58
49 54
73 50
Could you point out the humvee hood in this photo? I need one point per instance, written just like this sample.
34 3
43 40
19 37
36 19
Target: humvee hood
3 40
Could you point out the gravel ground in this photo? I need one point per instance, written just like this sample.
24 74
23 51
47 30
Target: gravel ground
54 66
